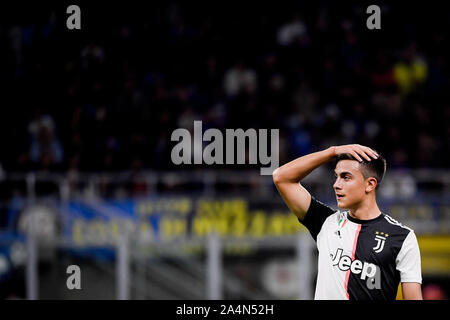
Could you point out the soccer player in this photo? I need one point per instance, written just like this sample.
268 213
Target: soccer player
363 253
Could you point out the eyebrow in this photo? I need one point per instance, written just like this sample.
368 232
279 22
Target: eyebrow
343 173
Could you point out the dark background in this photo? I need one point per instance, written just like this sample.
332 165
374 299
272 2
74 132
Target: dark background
112 92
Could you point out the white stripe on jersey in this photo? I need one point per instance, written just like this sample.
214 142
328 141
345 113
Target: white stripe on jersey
330 279
395 222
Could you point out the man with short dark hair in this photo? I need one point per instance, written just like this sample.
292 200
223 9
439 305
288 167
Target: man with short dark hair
363 253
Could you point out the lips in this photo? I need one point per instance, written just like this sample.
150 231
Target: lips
339 196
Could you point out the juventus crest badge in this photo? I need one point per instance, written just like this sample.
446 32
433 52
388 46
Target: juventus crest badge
380 238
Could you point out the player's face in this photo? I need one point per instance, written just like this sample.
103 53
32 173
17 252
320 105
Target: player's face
349 186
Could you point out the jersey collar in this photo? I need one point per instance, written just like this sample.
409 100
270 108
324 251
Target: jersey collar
349 217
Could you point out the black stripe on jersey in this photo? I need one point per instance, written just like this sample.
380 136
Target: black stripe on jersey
316 215
379 243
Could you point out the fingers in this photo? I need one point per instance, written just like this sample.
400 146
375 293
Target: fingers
358 151
365 152
370 152
355 155
362 152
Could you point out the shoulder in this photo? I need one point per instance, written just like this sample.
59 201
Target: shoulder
395 229
317 215
395 225
337 217
320 207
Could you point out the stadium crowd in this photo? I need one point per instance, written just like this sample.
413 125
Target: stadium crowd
107 97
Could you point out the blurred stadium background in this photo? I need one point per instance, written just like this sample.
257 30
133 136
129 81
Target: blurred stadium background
85 170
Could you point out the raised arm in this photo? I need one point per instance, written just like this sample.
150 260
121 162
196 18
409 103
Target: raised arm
288 176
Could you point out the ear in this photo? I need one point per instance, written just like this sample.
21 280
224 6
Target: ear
371 184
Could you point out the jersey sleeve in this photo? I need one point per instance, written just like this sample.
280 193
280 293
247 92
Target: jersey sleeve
315 216
408 260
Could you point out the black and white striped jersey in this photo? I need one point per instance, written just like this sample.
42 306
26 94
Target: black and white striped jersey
361 259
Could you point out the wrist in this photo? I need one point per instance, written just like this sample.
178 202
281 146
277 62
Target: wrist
332 151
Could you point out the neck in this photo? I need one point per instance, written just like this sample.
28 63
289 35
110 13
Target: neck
366 210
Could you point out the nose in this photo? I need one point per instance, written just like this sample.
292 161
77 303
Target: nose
337 185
